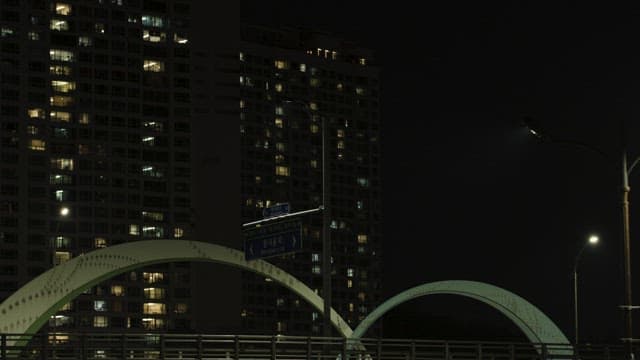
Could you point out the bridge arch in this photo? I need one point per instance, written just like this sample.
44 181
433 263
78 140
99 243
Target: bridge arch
26 310
537 327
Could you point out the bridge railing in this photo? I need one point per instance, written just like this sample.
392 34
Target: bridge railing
90 346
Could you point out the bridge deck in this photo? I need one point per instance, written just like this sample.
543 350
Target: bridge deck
246 347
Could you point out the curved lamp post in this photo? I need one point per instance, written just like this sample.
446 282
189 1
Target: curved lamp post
627 306
593 240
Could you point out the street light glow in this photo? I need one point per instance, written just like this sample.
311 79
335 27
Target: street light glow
64 211
593 239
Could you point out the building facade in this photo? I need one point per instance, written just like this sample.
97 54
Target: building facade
95 108
291 83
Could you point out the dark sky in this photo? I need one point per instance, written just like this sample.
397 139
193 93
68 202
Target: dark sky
468 194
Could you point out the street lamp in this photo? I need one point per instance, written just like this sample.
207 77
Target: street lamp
626 171
63 212
326 231
593 240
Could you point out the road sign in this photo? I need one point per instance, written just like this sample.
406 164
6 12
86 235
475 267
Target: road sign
273 240
275 210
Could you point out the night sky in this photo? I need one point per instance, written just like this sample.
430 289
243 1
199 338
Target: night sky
468 193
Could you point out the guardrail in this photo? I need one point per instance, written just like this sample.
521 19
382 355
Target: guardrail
89 346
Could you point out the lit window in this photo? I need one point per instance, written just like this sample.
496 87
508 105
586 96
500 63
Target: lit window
153 35
100 321
339 86
152 277
154 308
37 144
279 302
60 179
362 238
280 147
59 100
278 87
59 70
36 113
152 231
148 140
279 158
62 164
303 67
154 293
134 229
350 272
279 110
152 323
315 269
61 55
62 257
282 170
99 242
241 56
359 204
6 32
99 305
117 290
153 125
83 118
281 64
85 41
181 308
178 233
153 216
364 182
60 25
362 296
62 116
180 38
340 144
153 66
351 307
314 128
32 130
340 133
63 86
32 35
152 171
242 104
315 257
349 283
362 61
154 21
313 106
100 28
63 9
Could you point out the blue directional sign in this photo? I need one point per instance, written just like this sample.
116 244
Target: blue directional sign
275 210
273 240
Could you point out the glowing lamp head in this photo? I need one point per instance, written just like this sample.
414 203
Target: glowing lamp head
64 211
593 239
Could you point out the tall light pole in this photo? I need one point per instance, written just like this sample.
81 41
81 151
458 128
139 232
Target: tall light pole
628 306
326 221
593 240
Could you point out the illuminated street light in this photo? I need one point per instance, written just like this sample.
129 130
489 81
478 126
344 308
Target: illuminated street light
64 211
593 240
626 168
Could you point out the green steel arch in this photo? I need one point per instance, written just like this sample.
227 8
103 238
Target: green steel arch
534 323
30 307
